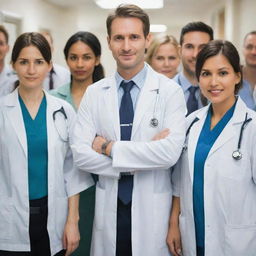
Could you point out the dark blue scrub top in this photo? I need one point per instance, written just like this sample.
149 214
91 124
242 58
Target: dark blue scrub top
36 131
205 142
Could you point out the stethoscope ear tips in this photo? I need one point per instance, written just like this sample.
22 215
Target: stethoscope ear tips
237 155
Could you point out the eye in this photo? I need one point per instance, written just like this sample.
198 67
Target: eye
39 62
87 57
205 73
72 57
23 62
135 37
189 46
172 58
249 47
159 57
118 38
223 73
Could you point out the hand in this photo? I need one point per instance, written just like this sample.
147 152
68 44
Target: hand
97 144
162 135
174 240
71 237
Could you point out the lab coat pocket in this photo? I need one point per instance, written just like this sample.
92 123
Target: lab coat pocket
61 211
162 205
99 207
240 240
6 213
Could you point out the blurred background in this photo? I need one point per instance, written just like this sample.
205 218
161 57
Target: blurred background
230 19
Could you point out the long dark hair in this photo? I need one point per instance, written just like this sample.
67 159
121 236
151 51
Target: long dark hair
224 48
93 42
28 39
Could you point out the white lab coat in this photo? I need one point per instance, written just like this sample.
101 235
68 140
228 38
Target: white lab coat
229 188
60 77
63 179
149 160
7 80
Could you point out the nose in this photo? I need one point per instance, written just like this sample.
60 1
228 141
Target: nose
254 50
80 62
195 52
126 45
214 80
166 62
31 68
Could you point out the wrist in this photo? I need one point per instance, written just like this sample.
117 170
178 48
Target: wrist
104 147
109 148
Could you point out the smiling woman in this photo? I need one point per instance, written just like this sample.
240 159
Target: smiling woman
216 196
41 174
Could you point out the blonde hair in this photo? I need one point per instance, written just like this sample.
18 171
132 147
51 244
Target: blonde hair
157 42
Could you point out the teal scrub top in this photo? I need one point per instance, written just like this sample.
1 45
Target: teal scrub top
36 131
205 142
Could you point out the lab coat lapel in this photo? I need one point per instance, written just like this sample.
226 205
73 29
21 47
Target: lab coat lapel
193 137
146 98
14 113
111 105
229 130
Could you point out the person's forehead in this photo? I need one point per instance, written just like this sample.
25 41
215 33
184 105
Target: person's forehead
2 37
250 39
126 25
196 37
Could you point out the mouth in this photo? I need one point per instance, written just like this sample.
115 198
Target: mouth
215 92
31 78
79 72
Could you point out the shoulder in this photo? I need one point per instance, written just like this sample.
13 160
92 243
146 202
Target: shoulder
61 92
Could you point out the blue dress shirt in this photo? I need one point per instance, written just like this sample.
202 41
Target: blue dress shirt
246 94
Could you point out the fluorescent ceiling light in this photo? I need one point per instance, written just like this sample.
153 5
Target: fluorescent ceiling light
158 28
144 4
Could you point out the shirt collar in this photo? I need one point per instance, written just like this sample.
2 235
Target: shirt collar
184 82
138 79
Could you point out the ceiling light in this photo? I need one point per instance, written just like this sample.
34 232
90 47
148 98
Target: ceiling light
144 4
158 28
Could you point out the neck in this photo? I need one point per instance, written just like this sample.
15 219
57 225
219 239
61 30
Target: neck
128 74
191 77
34 95
249 73
220 109
80 86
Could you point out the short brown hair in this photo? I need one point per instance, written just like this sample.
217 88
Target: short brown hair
129 11
4 31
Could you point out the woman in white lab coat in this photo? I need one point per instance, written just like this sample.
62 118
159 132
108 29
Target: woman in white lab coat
215 179
39 185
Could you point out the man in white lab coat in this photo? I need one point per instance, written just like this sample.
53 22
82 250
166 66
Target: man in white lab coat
130 130
7 76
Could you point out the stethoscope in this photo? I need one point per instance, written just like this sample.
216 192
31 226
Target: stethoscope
237 155
154 121
63 133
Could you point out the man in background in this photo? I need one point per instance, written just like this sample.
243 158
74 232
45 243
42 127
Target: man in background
194 36
58 75
247 92
7 76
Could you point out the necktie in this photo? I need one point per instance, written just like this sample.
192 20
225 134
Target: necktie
51 79
192 103
126 120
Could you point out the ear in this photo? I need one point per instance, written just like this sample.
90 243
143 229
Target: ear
148 40
108 39
50 66
239 76
97 62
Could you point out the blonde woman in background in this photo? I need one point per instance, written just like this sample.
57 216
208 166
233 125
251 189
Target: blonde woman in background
163 55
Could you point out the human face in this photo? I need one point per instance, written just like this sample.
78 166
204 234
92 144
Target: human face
128 43
4 47
250 50
217 81
82 61
31 67
166 60
193 43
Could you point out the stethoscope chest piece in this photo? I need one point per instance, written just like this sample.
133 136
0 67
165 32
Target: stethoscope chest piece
237 155
153 122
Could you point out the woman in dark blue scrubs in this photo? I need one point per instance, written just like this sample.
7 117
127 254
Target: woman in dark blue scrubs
214 200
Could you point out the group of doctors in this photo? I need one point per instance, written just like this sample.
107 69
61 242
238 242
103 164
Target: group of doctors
130 128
